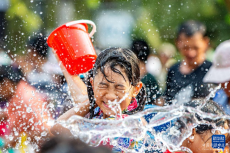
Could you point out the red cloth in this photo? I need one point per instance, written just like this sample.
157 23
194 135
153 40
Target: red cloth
3 128
26 110
167 151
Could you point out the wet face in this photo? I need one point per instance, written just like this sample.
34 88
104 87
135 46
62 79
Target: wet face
193 48
120 90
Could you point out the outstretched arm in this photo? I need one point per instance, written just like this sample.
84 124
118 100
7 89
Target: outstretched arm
81 109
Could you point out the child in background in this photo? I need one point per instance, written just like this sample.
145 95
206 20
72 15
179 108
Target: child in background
114 77
142 51
200 141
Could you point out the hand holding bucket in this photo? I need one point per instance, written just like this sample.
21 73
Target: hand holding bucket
71 42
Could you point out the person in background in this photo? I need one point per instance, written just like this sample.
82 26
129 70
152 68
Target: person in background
142 51
64 144
35 61
220 73
24 109
158 65
43 72
185 78
200 140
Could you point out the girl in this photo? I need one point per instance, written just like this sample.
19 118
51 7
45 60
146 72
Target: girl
114 77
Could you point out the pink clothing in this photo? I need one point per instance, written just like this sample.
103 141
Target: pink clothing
3 128
26 110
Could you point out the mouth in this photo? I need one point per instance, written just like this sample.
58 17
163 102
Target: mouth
107 105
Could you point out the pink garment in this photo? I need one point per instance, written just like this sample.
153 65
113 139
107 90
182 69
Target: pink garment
26 110
3 128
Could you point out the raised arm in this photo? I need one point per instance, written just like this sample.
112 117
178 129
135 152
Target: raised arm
76 86
79 95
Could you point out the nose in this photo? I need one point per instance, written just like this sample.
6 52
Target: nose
110 96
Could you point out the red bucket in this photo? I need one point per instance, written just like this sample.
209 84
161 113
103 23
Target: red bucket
72 44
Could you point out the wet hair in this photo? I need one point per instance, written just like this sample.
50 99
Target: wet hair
9 72
141 49
189 28
209 107
127 60
39 45
70 145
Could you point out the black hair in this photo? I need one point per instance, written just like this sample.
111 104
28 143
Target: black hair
141 49
209 107
189 28
39 45
70 145
12 73
114 57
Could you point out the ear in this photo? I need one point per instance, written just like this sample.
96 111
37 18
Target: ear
91 81
191 138
206 40
137 89
226 125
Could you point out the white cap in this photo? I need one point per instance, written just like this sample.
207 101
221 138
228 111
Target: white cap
220 70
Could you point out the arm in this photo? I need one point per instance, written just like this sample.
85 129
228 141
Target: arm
79 94
76 86
83 111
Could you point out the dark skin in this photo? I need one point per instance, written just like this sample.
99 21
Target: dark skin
6 92
7 89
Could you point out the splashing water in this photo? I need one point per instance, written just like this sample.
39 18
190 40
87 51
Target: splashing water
167 127
115 106
210 95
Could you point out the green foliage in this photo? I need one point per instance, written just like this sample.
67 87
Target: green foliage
22 22
156 20
167 15
93 4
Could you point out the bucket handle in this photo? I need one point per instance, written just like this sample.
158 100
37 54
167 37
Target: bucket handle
84 21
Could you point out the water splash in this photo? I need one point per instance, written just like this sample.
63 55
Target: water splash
168 127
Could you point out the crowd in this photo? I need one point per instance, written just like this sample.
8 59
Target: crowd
36 90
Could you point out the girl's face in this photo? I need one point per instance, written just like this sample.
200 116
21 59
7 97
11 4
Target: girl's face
118 89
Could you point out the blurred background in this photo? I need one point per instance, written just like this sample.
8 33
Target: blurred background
118 21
